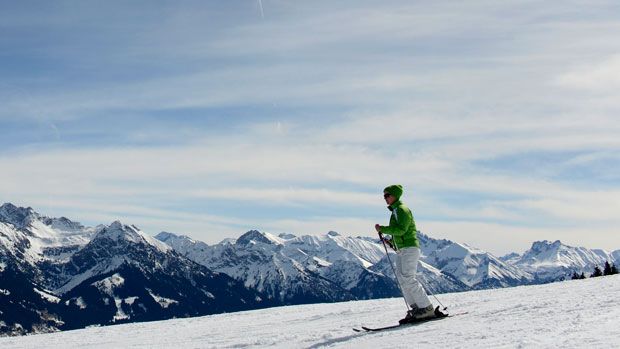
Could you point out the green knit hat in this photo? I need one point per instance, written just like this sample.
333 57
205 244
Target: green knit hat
395 190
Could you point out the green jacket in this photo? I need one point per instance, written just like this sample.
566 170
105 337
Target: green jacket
402 226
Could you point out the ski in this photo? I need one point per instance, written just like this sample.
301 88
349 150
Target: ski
376 329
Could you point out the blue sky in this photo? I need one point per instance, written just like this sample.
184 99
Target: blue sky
210 118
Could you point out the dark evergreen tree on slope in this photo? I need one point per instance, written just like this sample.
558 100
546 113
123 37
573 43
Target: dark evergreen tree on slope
607 269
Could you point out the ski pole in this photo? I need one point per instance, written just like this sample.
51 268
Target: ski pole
429 289
394 271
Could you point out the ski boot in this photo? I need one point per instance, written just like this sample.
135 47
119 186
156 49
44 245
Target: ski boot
418 314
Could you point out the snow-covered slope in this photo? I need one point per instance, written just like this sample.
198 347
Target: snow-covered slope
542 316
550 261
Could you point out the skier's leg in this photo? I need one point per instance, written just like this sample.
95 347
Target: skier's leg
412 289
399 275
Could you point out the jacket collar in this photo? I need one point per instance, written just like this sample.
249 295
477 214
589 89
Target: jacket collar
394 205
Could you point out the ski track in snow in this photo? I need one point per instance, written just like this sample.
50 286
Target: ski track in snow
571 314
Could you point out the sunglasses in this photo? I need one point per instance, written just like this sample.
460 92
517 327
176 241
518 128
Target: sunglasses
386 195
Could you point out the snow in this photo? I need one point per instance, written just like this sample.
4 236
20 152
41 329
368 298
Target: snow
272 264
11 238
468 264
570 314
48 296
108 284
321 262
79 302
130 300
162 247
163 301
120 314
23 230
254 236
553 260
333 247
114 263
118 231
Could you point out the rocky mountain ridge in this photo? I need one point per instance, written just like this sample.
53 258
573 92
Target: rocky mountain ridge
57 274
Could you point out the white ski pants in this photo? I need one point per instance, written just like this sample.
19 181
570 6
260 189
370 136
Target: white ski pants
406 269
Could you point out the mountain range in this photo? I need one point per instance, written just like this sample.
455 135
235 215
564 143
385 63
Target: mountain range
56 274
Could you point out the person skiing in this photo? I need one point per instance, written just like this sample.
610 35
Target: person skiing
402 236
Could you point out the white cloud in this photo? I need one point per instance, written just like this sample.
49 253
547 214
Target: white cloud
593 206
289 196
600 76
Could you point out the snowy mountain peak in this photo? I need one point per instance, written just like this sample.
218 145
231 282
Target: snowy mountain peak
34 238
118 232
63 224
546 251
555 260
255 236
511 257
165 237
180 242
21 218
470 265
333 233
459 251
116 225
545 245
18 216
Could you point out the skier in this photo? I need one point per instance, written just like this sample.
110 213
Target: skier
403 238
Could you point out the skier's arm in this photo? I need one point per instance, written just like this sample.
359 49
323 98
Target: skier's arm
399 226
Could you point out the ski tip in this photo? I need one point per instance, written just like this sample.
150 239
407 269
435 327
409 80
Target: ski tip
363 329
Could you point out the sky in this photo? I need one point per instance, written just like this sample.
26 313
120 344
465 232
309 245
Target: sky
212 118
